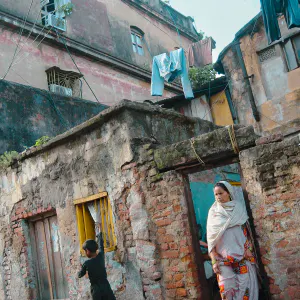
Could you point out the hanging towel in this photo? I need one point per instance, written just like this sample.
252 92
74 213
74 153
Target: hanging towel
200 53
292 13
167 68
269 10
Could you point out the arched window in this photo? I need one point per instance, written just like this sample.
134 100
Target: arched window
137 36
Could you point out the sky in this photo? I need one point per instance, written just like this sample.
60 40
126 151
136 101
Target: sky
220 19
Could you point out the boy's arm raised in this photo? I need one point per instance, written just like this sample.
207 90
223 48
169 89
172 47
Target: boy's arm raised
83 271
99 238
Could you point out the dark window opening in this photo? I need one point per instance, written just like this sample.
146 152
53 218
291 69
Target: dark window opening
53 13
48 9
67 83
137 37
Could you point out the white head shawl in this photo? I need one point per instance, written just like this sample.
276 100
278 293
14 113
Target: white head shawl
222 216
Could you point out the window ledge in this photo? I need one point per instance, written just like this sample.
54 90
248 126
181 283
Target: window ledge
282 40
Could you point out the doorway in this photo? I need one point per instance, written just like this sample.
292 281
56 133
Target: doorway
46 250
201 185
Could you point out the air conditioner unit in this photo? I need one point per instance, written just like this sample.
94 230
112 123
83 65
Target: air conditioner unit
53 21
58 89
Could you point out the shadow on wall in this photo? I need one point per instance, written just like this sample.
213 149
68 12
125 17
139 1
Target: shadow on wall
28 113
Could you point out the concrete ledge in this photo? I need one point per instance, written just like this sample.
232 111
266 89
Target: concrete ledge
210 147
111 113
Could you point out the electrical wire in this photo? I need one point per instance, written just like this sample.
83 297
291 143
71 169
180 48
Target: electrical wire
38 16
40 33
20 37
20 76
27 54
64 42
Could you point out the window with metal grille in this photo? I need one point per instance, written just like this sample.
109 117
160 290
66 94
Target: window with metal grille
66 83
137 36
48 6
92 210
54 13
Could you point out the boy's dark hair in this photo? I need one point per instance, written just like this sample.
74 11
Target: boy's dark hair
90 245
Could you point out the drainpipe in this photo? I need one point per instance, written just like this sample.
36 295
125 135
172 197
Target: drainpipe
231 106
246 78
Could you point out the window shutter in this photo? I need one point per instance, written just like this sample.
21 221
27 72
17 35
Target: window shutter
290 55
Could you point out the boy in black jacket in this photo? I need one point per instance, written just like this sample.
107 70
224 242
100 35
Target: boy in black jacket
95 267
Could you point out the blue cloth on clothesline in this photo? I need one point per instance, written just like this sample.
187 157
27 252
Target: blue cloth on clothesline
167 68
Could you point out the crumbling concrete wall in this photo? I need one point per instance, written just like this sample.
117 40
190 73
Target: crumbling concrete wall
112 153
275 88
271 173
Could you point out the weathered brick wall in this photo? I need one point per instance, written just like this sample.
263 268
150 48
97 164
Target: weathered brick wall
160 230
154 259
272 177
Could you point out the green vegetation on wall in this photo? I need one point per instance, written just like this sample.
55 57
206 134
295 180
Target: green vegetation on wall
201 76
7 158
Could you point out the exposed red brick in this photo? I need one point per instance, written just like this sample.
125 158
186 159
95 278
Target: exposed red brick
173 246
168 238
181 292
282 244
170 254
164 246
161 230
176 208
163 222
170 286
178 277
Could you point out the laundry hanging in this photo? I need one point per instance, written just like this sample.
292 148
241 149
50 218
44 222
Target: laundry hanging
292 13
167 68
269 10
200 53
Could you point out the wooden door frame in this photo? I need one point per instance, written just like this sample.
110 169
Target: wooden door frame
185 172
33 244
204 289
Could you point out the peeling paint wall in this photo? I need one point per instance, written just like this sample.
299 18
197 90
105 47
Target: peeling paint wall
105 24
275 89
113 153
101 26
220 109
110 85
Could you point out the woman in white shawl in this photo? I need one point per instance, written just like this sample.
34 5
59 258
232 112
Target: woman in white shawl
230 246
